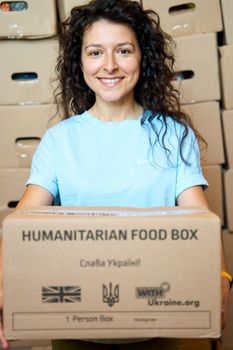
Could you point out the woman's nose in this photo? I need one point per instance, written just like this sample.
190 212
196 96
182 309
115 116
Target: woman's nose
110 64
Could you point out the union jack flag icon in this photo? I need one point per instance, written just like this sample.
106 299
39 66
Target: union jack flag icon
61 294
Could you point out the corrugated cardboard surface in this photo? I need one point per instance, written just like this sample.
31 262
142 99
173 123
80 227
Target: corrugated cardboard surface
205 17
25 126
39 20
227 118
228 195
214 193
30 344
202 17
227 12
203 115
12 186
198 54
33 56
111 273
65 6
226 57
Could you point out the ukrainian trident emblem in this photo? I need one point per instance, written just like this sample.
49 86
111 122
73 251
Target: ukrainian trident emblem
111 294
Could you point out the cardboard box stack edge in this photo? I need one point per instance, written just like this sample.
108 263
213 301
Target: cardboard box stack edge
27 30
26 102
226 76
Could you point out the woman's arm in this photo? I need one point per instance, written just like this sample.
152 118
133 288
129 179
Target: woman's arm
194 196
33 196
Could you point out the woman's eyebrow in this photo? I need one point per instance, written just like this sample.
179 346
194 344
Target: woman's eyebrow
101 45
93 45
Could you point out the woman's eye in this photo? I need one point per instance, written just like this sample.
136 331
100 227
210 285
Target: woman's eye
124 51
94 53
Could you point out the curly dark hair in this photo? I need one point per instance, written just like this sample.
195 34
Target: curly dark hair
154 90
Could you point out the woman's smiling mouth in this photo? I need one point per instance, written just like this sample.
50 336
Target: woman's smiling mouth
110 82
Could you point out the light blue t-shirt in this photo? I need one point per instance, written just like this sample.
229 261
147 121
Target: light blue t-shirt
88 162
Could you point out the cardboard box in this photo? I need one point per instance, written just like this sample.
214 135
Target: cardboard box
227 335
227 118
36 19
227 13
65 6
27 79
4 211
228 196
197 68
113 273
203 115
180 17
214 193
12 186
24 127
30 345
226 58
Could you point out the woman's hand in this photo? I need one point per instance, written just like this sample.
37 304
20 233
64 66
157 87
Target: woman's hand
225 299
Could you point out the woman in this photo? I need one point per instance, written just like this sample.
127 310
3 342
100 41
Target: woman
125 140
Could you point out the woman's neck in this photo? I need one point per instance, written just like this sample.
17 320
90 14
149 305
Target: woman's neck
114 112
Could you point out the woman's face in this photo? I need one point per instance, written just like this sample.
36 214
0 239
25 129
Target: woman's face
111 61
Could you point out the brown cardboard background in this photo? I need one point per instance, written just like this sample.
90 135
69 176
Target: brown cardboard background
198 53
65 6
227 12
30 345
228 195
32 22
12 185
203 115
205 18
227 118
226 58
36 56
22 122
214 193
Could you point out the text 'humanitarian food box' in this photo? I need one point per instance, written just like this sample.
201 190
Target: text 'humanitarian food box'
95 273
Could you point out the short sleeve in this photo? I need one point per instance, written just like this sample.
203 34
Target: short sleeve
43 169
189 173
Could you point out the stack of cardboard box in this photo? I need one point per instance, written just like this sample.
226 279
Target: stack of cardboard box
28 55
226 76
194 26
226 59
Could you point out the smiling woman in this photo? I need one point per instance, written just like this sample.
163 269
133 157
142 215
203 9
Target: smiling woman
111 66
